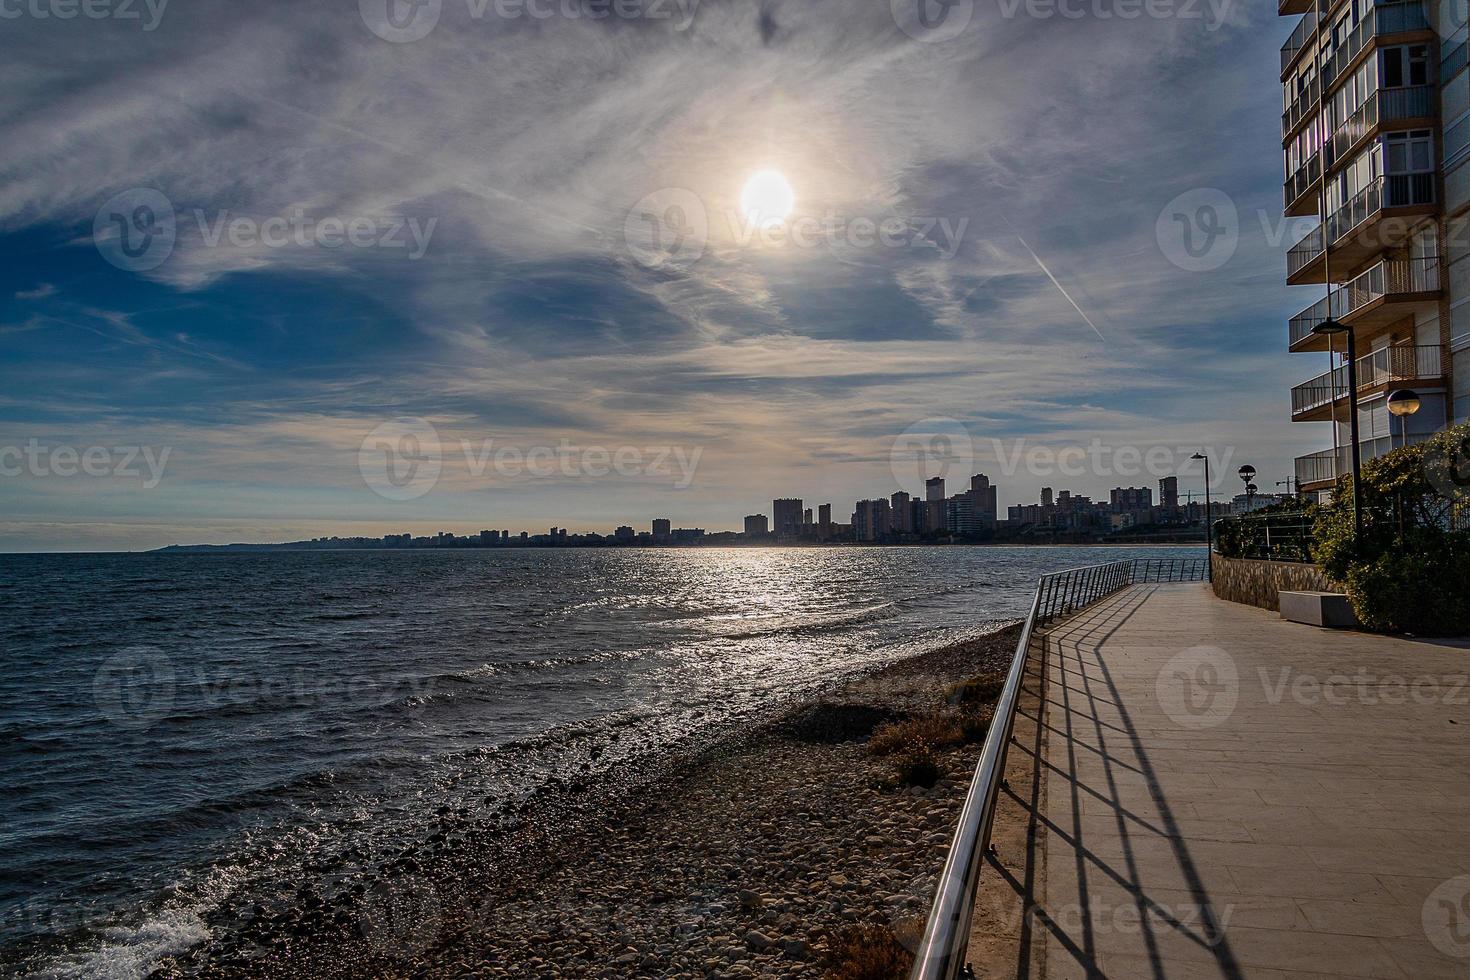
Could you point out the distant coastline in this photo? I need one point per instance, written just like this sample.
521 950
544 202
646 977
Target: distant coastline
710 541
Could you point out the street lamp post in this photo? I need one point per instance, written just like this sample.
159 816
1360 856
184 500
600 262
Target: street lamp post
1402 403
1330 328
1209 514
1247 473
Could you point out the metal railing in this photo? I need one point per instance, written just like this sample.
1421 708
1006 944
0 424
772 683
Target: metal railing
941 955
1275 536
1386 278
1300 182
1387 18
1293 46
1391 191
1385 105
1382 367
1302 105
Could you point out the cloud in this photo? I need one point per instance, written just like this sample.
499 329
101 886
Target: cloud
528 142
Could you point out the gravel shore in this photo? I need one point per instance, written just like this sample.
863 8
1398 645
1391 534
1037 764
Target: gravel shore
746 858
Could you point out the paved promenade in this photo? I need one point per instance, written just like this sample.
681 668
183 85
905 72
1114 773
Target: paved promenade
1231 795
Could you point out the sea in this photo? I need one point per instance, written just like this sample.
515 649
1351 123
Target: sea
179 730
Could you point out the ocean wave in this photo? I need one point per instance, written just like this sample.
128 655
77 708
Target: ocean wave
131 952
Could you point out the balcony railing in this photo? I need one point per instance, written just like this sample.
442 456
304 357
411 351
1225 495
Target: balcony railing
1382 367
1329 464
1387 278
1393 191
1303 105
1323 467
1388 18
1301 181
1298 40
1413 102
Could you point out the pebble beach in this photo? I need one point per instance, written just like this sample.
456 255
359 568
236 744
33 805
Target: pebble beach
750 857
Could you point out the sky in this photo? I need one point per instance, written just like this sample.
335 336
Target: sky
280 270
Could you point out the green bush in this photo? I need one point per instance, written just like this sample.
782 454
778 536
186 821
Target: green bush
1409 572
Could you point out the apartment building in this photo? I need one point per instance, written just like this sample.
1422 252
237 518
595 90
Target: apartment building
1376 140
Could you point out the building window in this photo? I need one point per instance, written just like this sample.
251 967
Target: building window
1406 65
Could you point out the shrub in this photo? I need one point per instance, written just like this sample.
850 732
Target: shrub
939 729
975 725
868 952
1410 569
977 690
918 765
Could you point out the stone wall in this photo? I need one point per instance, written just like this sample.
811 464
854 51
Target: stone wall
1256 583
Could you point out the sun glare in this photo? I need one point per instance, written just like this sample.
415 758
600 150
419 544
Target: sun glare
767 198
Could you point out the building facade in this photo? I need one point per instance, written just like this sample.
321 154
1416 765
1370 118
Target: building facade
786 516
1376 141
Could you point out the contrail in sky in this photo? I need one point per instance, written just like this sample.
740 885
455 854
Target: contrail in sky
1054 282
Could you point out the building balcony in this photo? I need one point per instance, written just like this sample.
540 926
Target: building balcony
1304 187
1379 217
1319 471
1376 297
1306 104
1411 107
1323 397
1285 8
1298 42
1378 24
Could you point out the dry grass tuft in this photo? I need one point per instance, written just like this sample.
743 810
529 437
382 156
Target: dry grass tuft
939 729
868 952
977 690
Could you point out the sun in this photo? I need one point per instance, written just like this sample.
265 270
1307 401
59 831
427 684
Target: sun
767 198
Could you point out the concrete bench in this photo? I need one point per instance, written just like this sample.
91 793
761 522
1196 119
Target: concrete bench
1330 609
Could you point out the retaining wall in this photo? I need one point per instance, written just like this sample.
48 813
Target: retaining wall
1257 583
